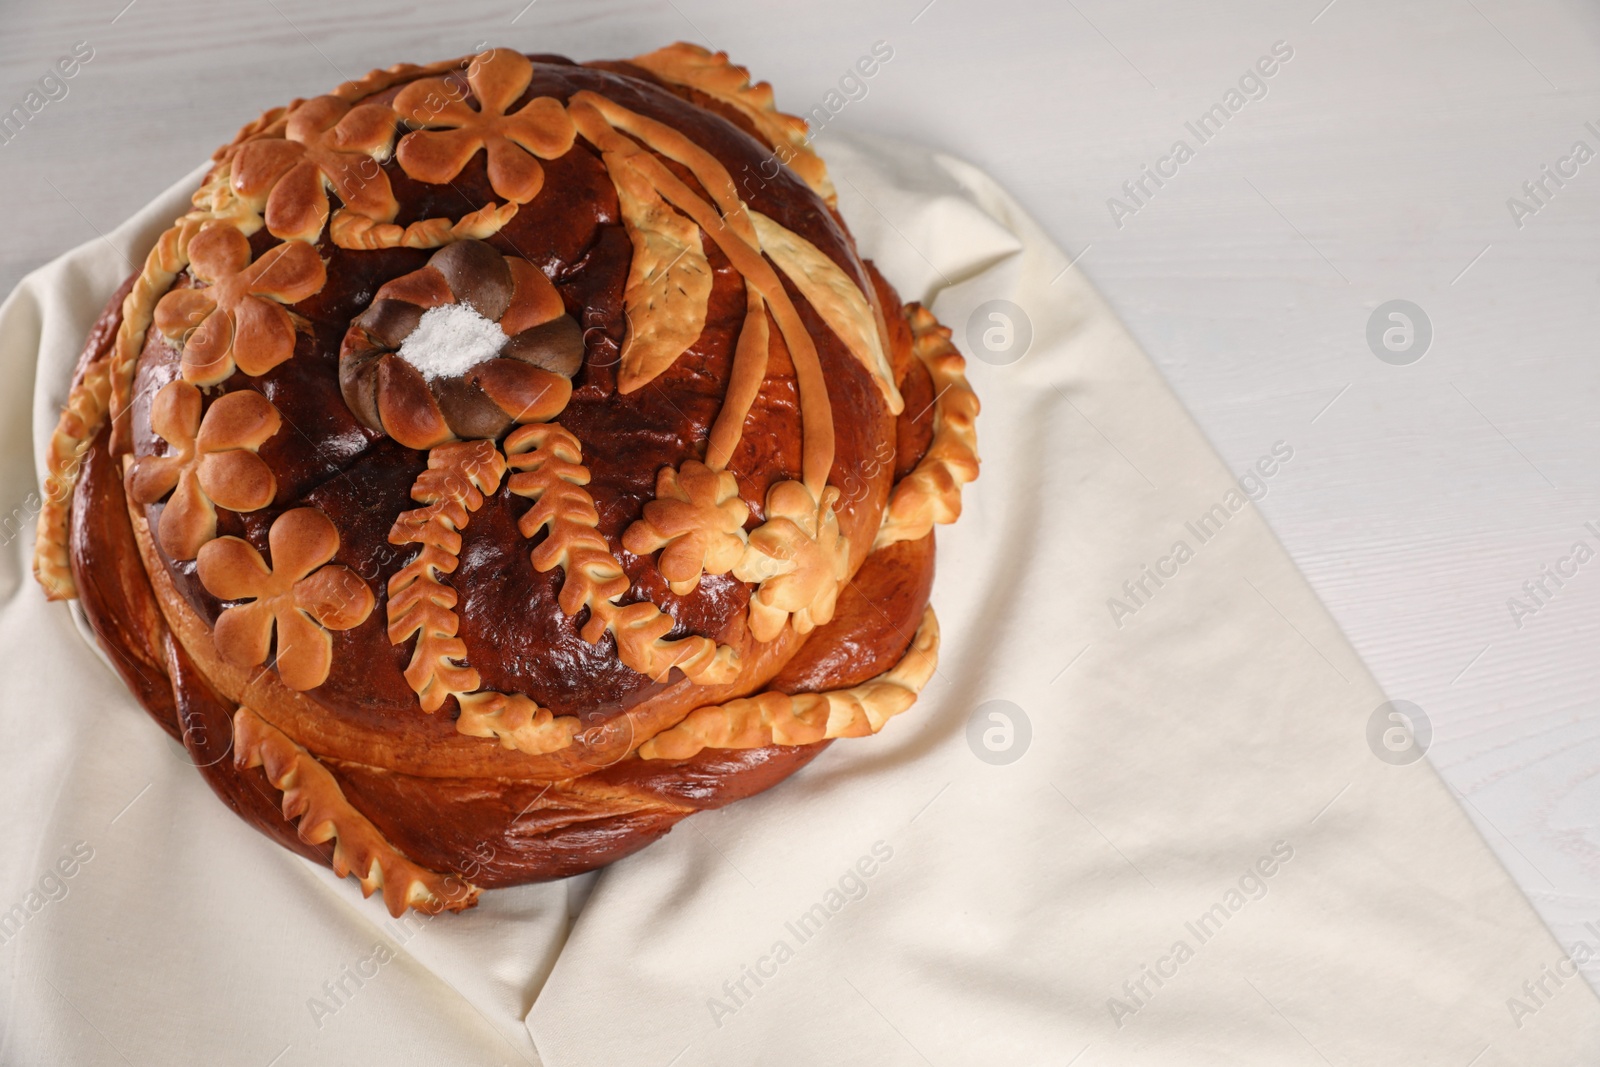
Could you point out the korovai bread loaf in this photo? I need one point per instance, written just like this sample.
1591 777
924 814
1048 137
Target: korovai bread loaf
505 459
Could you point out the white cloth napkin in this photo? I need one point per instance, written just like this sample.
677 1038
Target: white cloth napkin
1195 857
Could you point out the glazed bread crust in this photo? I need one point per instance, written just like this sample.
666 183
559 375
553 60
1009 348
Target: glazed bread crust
425 627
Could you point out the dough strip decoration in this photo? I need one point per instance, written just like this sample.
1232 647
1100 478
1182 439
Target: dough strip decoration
772 718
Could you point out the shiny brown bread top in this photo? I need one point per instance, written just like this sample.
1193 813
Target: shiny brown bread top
486 830
391 649
519 638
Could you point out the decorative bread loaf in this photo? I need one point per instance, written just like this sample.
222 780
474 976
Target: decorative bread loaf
504 460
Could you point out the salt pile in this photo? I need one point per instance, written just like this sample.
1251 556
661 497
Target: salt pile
451 339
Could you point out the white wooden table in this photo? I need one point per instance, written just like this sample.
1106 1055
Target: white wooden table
1374 164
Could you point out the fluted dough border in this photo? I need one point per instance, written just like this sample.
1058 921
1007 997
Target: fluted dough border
712 73
311 794
931 493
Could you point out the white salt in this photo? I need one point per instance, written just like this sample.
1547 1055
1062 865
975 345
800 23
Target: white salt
451 339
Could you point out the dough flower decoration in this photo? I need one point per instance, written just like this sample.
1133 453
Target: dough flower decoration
237 319
696 521
300 593
212 463
326 144
800 559
452 131
465 347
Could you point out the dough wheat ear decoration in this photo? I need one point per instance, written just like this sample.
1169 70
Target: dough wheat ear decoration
420 604
547 459
468 463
